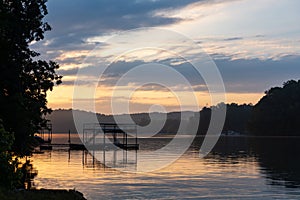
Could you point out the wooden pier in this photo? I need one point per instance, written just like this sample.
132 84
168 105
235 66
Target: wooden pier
99 136
104 134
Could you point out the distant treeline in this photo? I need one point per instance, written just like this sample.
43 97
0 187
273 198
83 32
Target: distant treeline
237 118
276 114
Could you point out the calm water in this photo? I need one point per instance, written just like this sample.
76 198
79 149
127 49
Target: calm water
237 168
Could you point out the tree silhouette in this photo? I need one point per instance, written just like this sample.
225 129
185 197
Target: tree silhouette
237 118
277 113
24 79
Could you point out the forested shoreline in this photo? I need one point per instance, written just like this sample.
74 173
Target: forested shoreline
274 115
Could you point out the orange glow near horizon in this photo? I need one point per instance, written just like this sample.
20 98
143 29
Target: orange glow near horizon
142 100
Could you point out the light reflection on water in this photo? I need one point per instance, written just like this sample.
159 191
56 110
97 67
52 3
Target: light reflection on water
237 168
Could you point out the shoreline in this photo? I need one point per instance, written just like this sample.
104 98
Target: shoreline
45 194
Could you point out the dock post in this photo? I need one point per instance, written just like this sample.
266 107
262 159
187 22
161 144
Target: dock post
136 136
69 141
104 146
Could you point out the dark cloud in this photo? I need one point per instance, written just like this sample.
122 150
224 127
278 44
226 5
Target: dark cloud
240 76
153 87
78 83
233 38
118 69
259 36
68 72
256 75
74 20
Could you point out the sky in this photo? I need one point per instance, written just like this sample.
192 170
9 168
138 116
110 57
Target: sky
108 52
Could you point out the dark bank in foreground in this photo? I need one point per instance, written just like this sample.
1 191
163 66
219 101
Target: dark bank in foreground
44 194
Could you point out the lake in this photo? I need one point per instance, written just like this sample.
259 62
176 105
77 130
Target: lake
237 168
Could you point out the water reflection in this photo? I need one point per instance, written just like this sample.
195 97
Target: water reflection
238 167
117 159
279 160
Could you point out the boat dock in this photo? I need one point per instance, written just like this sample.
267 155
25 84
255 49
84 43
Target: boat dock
96 136
103 135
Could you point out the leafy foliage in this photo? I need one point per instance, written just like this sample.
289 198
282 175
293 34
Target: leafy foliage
10 174
277 113
24 80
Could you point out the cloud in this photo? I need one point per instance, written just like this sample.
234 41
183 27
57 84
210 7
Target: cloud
239 75
68 72
233 38
74 20
250 47
255 75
